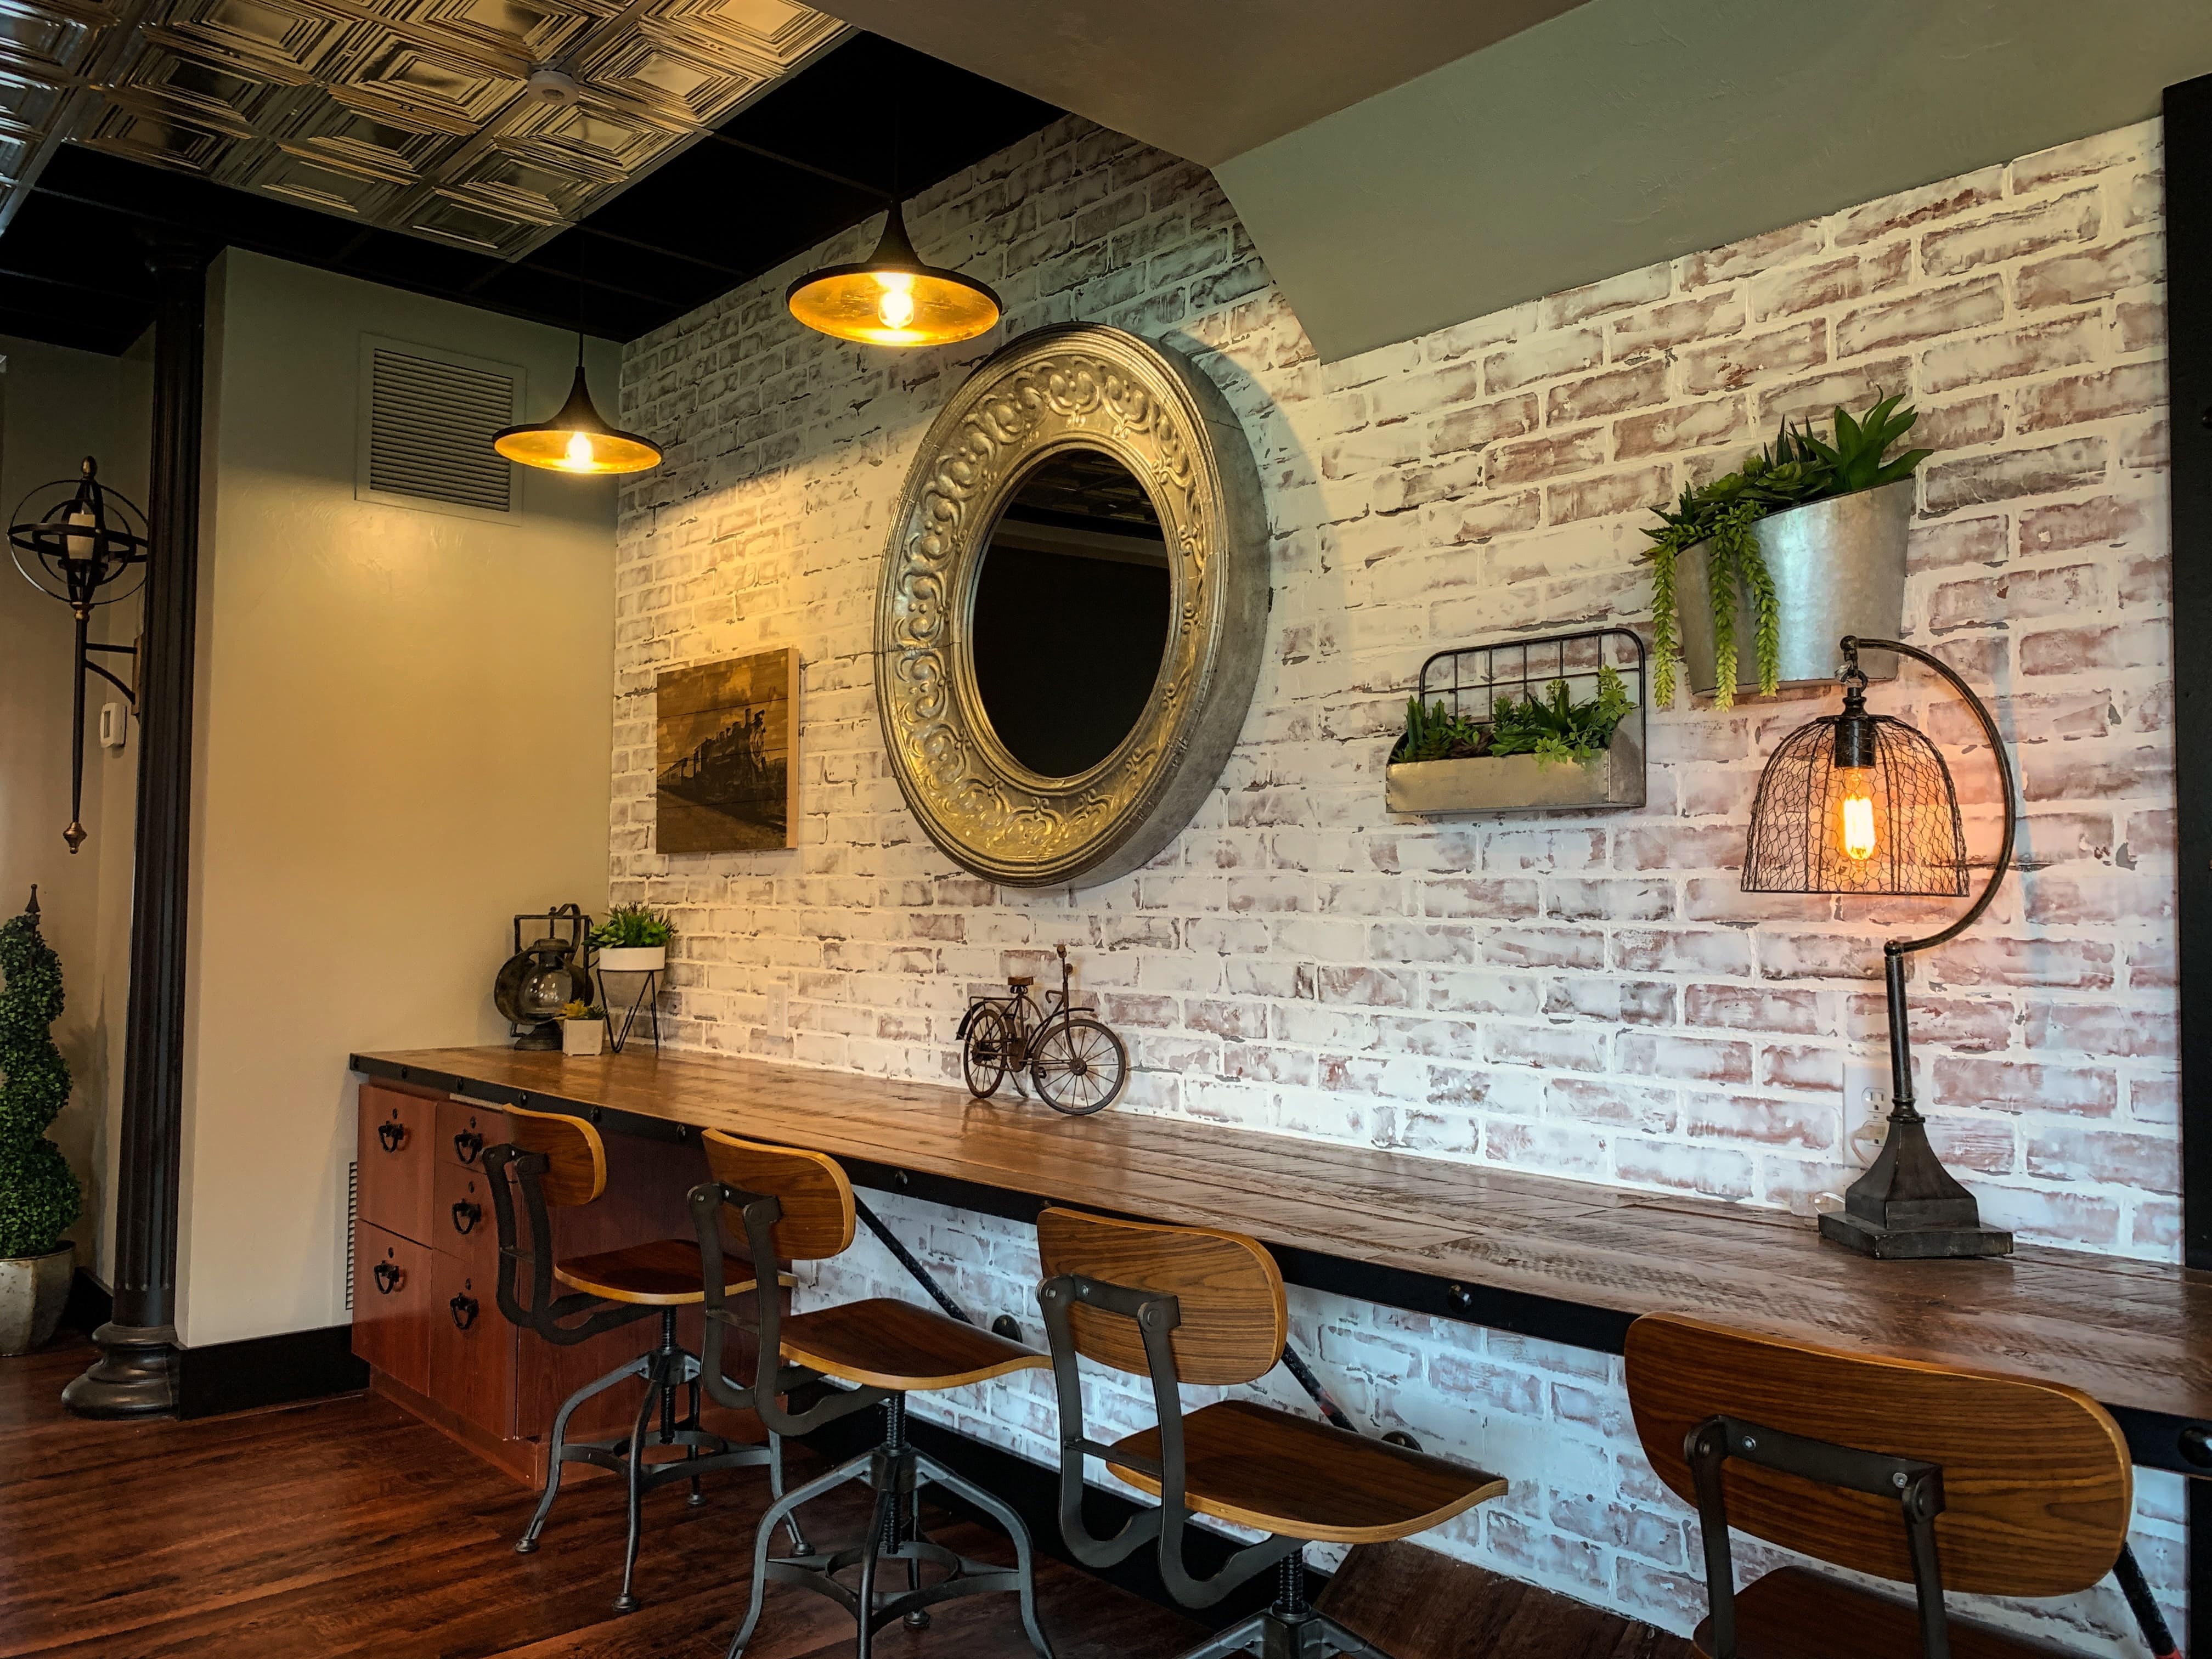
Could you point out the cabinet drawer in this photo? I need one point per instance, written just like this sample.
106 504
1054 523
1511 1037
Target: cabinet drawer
395 1155
471 1347
464 1130
392 1278
463 1223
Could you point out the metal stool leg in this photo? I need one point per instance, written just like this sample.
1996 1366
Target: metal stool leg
871 1553
1025 1565
641 1367
799 1547
1242 1639
633 1475
777 1513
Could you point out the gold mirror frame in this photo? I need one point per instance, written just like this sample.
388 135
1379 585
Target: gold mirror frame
1078 387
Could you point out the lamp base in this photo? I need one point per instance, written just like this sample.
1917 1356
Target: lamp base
545 1034
1910 1243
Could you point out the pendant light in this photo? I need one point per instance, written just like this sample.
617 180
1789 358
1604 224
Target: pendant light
578 438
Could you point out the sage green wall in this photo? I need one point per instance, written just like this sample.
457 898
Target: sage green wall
1628 131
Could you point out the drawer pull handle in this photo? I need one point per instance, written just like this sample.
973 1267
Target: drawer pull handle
467 1143
388 1276
466 1215
393 1132
465 1309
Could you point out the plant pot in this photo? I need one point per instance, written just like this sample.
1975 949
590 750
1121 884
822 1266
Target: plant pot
34 1291
632 958
1520 783
1838 568
583 1039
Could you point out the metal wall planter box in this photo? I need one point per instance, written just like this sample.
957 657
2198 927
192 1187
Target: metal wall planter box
1520 783
1838 568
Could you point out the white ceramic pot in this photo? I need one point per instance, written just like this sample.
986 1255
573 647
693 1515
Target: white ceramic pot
632 959
583 1037
33 1289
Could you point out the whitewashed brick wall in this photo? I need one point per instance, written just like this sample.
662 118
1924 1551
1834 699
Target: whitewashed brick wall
1592 997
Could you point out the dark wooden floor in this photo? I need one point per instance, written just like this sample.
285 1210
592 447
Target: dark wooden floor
346 1528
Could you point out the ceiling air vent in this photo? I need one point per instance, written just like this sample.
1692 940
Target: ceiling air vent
427 420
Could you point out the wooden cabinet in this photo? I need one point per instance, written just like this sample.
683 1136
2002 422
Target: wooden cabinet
436 1340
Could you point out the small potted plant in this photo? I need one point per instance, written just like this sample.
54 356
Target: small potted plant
1547 751
39 1199
633 939
583 1029
1802 545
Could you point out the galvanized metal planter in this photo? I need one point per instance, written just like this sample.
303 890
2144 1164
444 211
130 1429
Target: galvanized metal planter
1838 568
1520 783
34 1291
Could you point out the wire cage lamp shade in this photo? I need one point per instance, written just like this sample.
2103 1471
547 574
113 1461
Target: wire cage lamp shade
1856 803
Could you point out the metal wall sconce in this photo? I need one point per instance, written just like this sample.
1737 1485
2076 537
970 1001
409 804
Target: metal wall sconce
78 541
1860 803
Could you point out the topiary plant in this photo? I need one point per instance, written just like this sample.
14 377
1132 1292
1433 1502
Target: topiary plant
40 1200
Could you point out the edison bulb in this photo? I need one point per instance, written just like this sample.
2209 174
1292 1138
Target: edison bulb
1855 835
894 305
577 457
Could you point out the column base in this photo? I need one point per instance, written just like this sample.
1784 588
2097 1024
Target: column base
135 1375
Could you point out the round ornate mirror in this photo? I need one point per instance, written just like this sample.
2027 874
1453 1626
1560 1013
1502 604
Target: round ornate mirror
1073 603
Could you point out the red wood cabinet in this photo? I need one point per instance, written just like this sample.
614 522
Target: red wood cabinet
436 1339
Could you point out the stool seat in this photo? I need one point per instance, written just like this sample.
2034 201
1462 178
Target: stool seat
1295 1478
1792 1613
886 1344
664 1273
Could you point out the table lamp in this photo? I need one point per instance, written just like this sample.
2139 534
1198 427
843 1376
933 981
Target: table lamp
1861 802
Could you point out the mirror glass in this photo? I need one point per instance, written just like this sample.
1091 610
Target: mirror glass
1072 602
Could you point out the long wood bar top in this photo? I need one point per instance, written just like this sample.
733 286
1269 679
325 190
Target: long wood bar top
1564 1258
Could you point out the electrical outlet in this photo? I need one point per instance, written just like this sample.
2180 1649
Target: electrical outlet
1866 1107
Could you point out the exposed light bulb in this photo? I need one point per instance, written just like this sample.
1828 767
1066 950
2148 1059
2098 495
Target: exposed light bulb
1854 833
579 456
894 305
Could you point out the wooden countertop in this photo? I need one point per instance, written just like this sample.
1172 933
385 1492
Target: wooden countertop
2135 1335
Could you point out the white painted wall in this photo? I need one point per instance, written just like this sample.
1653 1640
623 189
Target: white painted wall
402 740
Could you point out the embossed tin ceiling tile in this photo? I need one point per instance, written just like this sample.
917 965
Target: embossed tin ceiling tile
655 69
528 189
536 31
27 104
417 83
273 38
317 182
614 142
471 225
44 42
15 150
776 30
149 134
364 140
223 97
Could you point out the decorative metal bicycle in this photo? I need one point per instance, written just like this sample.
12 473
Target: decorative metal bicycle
1079 1064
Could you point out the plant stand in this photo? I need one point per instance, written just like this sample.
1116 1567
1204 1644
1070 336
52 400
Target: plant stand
646 1001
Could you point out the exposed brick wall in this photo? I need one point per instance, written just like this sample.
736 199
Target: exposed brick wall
1589 996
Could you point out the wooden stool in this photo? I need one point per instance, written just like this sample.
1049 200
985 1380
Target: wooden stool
798 1206
1941 1478
1185 1304
560 1162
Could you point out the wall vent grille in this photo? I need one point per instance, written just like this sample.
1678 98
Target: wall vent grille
428 418
353 1223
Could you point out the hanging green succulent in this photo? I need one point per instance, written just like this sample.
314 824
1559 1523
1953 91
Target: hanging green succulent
1554 728
1797 468
1436 733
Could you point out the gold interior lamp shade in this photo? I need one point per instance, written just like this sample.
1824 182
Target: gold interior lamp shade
892 299
577 440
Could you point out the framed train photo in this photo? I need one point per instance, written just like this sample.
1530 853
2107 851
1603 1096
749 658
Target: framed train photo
726 771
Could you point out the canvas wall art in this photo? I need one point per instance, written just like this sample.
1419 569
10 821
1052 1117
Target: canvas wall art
726 766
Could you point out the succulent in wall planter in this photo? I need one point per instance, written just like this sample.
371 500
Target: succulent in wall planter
1756 574
633 939
583 1029
1546 752
40 1199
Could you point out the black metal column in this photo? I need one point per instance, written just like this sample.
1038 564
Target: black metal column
136 1373
2189 322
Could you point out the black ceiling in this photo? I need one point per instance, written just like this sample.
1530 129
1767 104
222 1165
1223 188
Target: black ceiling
817 154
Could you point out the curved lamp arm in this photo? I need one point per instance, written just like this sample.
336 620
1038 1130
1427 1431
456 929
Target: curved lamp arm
1853 644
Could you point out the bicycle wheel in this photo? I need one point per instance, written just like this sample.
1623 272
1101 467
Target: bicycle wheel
1079 1065
983 1056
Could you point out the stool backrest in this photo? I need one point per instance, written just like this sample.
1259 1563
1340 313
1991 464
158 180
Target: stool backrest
816 1197
576 1157
1228 1289
2036 1480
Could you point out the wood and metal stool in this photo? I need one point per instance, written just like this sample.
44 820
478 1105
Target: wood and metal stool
1187 1304
559 1162
1941 1478
798 1207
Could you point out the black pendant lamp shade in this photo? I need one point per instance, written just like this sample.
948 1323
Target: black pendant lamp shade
891 298
577 440
1856 803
